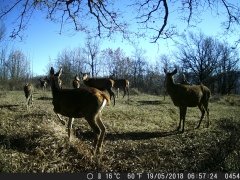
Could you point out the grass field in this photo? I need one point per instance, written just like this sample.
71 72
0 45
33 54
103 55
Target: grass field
140 137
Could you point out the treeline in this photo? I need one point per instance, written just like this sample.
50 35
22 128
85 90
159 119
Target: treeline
200 58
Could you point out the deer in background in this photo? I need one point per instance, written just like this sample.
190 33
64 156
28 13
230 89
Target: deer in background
184 96
28 91
43 83
76 82
100 83
183 80
78 103
121 84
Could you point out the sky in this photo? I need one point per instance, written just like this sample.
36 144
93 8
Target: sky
43 42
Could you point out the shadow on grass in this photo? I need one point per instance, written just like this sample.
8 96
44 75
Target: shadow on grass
44 98
23 144
126 135
219 153
29 115
150 102
11 107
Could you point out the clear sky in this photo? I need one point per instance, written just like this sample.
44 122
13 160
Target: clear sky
42 41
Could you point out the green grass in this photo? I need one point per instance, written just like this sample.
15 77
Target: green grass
140 137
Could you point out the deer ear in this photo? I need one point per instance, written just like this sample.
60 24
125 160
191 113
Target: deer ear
165 71
174 72
51 71
60 72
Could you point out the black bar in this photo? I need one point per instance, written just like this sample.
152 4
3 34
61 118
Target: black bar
121 176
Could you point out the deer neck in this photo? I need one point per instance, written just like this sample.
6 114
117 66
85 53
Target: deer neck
170 85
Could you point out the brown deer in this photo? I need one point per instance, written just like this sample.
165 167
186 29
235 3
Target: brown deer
28 91
183 80
43 83
76 82
78 103
184 96
100 83
122 84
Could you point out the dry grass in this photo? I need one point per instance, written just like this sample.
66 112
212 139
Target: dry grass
140 137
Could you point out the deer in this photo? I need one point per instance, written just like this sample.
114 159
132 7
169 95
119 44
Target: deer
85 103
43 83
76 82
28 91
183 80
122 84
100 83
184 96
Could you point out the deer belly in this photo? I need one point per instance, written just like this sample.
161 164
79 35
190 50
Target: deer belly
68 112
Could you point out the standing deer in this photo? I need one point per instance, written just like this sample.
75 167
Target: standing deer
184 96
122 84
28 91
76 82
78 103
183 80
43 83
100 83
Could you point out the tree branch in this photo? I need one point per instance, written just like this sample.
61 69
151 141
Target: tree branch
164 22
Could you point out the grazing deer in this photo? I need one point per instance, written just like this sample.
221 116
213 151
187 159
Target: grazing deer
100 83
76 82
184 96
28 91
78 103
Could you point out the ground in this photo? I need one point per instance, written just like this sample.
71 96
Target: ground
140 137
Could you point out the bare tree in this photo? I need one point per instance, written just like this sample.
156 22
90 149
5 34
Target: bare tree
3 53
2 31
73 62
138 68
92 50
199 54
152 17
227 69
18 65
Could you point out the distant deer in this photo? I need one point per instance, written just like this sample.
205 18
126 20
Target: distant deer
184 96
78 103
43 83
184 80
120 84
76 82
28 91
100 83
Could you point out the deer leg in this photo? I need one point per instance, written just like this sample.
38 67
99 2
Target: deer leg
111 94
61 120
70 123
180 121
117 92
28 100
202 116
92 122
102 133
205 105
208 117
124 92
127 92
31 99
183 111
